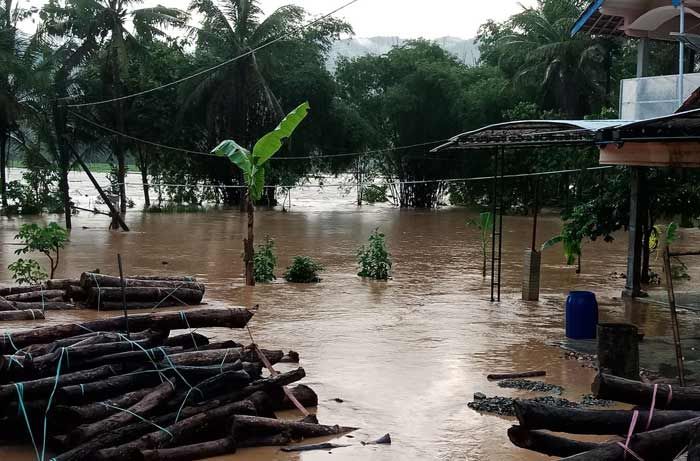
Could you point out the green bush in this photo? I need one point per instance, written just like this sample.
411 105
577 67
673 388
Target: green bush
374 260
303 270
35 193
374 193
264 262
27 272
47 240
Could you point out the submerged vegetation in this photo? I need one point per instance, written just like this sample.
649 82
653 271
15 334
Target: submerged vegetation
374 259
48 240
484 226
265 261
303 270
374 116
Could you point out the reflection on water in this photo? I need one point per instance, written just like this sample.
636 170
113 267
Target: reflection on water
405 356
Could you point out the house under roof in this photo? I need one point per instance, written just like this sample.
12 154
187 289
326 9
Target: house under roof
654 19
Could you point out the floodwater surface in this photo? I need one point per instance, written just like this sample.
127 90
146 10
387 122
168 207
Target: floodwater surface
405 356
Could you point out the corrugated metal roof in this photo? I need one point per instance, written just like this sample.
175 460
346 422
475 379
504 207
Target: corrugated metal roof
678 127
531 133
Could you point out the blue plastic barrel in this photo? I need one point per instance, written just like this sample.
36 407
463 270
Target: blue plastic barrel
581 315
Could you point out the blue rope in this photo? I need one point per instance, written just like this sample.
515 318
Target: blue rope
139 417
169 295
43 306
184 318
48 406
150 357
22 410
9 337
99 290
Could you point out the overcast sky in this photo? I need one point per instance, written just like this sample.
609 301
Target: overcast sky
403 18
413 18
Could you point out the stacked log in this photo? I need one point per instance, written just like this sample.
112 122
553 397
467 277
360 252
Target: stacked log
101 292
661 433
105 396
30 302
104 292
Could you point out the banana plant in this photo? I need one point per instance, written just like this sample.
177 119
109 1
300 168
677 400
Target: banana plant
485 225
252 164
572 242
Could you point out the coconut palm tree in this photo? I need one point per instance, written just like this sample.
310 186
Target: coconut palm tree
102 26
236 99
13 77
569 70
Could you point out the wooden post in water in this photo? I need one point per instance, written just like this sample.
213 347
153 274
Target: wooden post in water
123 286
533 259
674 315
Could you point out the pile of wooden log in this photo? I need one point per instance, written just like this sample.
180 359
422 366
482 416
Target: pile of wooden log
104 292
664 425
89 391
30 302
101 292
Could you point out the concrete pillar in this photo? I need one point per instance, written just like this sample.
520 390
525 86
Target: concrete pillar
618 350
531 275
635 230
643 58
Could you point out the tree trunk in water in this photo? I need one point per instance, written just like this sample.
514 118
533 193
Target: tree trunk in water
660 444
532 416
65 196
144 179
549 444
3 167
187 452
201 318
248 244
121 175
637 393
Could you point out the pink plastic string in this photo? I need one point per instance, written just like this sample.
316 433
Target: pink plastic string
633 424
653 405
630 451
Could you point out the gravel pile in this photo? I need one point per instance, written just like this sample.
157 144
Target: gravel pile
504 405
533 386
589 400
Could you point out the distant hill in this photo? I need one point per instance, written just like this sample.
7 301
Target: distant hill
466 51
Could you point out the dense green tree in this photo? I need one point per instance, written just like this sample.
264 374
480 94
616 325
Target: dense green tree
102 28
536 51
15 71
242 98
416 94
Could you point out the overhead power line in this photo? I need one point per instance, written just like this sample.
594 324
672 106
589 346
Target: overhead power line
218 66
207 154
387 181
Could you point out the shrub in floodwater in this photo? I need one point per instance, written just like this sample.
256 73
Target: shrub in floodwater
374 193
47 240
303 270
485 226
264 261
27 272
374 259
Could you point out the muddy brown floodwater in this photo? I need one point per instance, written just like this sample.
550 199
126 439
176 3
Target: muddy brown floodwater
405 356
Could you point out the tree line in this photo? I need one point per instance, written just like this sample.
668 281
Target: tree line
103 50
